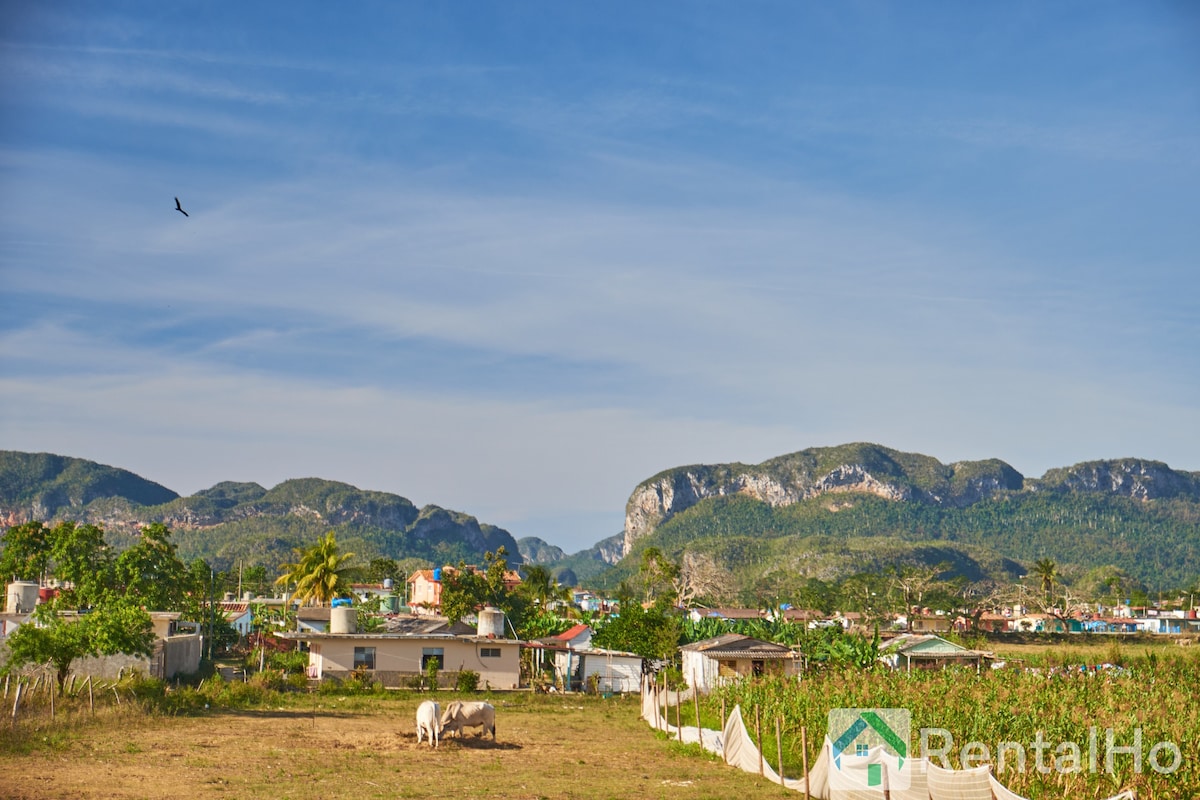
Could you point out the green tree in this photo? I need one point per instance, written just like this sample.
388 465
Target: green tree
650 632
150 573
467 589
380 569
255 578
82 560
540 587
26 553
100 610
318 573
119 626
1046 571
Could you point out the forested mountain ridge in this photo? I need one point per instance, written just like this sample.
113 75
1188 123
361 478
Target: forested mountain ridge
828 512
245 522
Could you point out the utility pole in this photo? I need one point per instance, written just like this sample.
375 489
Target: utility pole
212 610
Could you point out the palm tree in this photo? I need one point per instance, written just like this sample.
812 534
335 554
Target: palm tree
541 587
317 572
1046 571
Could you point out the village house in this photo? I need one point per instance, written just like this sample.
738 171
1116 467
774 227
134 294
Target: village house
425 588
404 648
907 652
238 615
930 623
731 656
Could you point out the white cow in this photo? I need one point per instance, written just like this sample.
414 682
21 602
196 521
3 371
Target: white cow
429 722
459 715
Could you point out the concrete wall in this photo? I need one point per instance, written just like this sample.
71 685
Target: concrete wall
178 655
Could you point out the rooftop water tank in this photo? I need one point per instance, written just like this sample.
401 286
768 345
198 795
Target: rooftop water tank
491 622
387 584
343 619
437 573
21 597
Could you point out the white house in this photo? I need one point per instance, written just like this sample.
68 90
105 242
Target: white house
406 646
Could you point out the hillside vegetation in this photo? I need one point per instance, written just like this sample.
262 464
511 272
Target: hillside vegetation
244 523
827 513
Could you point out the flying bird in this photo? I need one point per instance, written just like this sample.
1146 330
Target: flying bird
179 208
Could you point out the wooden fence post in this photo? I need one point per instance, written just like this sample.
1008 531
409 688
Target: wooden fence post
696 703
758 735
724 744
16 703
678 722
804 757
91 699
779 751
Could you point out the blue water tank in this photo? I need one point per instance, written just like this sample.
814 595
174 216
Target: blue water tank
341 602
437 574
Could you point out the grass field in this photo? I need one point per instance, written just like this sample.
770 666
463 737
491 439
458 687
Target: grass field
253 742
357 748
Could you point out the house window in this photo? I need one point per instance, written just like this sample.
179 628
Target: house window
432 654
364 658
489 652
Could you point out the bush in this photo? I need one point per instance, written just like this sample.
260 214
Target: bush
361 680
290 662
467 681
272 680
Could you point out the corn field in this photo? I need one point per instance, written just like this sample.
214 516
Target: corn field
1152 702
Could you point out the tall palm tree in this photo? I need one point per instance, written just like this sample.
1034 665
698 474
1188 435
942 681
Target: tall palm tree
1046 571
541 586
317 572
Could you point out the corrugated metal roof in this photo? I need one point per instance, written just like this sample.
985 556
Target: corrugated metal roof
736 645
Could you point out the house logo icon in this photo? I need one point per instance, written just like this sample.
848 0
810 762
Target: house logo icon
868 748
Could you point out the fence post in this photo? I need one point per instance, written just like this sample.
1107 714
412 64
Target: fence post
804 757
724 744
16 703
779 751
678 722
696 703
91 699
758 735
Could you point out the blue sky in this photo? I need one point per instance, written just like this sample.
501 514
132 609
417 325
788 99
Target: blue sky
513 258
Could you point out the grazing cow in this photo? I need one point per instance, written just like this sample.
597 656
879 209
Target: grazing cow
459 715
429 722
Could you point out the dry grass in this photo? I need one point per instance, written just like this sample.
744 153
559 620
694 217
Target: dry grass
361 747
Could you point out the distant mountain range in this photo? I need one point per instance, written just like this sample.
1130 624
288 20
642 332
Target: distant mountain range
244 522
822 513
830 512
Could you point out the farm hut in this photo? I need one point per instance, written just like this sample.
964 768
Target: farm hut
609 671
730 656
908 652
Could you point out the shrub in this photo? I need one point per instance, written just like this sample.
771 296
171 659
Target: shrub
467 681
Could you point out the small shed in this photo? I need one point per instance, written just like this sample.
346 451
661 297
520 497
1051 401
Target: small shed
908 652
731 656
611 671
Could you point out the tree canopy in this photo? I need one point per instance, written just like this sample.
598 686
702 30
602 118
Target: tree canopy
319 572
101 607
